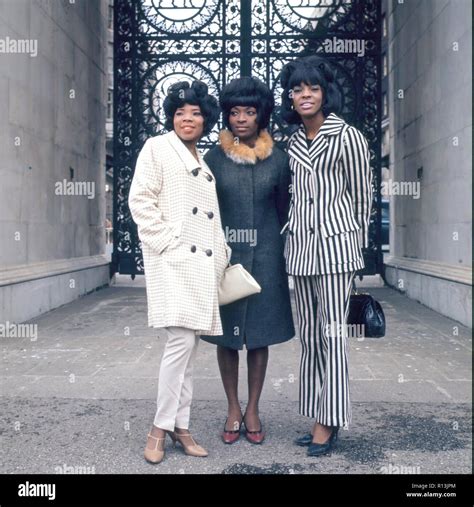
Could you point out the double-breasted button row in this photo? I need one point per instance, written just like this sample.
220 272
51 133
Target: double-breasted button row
208 251
209 214
195 172
310 230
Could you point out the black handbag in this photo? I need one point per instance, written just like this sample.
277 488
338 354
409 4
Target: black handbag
365 311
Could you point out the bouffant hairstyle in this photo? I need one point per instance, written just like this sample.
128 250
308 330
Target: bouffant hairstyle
196 94
250 92
311 70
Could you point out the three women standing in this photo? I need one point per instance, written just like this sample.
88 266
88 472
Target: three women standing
173 200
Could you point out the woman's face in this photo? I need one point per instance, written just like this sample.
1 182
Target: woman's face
307 99
188 123
243 122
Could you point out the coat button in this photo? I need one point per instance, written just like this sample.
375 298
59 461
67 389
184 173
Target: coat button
291 233
195 210
193 248
311 200
311 230
195 172
208 252
210 214
209 177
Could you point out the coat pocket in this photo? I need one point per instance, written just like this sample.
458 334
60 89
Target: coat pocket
176 228
331 228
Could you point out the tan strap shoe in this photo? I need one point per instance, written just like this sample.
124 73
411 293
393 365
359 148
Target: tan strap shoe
193 449
157 453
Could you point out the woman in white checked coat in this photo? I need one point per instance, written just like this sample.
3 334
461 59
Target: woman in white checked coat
326 231
174 203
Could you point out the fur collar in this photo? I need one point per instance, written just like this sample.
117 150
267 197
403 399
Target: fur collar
243 154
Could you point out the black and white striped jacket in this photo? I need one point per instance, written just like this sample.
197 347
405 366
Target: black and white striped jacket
331 200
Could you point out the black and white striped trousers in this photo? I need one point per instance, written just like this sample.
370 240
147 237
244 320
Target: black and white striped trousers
322 305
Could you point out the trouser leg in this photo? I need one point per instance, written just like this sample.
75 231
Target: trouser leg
172 381
310 378
184 409
322 304
334 407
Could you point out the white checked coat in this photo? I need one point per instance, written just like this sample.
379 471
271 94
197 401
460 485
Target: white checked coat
329 213
174 203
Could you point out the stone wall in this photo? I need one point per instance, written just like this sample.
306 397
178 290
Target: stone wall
52 119
431 146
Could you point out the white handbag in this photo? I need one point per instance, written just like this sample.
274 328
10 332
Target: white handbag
236 283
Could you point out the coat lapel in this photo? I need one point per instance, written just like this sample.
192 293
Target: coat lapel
184 154
298 149
319 144
331 126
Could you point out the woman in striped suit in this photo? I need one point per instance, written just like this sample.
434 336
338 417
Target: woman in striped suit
326 231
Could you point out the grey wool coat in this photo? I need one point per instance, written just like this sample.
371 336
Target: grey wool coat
252 186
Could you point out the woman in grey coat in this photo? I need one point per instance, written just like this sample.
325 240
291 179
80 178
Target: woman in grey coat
252 183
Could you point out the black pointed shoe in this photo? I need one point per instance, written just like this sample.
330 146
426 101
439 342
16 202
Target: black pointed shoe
304 441
316 450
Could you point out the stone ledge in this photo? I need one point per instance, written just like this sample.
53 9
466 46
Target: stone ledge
459 274
28 272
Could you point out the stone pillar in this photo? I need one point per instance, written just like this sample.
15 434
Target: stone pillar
52 117
431 153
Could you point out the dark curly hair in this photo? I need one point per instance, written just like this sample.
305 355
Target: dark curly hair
250 92
312 70
196 94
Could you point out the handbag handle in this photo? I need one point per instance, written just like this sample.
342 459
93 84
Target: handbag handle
354 288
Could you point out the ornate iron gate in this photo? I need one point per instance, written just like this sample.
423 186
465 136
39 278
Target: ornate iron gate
158 42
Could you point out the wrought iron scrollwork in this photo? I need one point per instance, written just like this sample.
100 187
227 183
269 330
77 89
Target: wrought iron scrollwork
158 42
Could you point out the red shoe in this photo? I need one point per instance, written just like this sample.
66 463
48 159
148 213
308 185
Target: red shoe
230 437
254 437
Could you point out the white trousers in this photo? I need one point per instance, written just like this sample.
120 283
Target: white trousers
175 381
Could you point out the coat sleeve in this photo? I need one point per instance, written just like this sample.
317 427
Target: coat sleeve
142 201
282 195
356 160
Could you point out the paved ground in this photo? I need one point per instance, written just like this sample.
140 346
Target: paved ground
81 396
